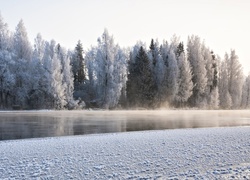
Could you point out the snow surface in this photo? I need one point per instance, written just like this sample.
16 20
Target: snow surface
208 153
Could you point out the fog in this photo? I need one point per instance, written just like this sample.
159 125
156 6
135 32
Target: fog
35 124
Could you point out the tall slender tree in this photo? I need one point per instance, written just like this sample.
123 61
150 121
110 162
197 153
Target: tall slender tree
235 82
145 82
197 62
245 103
184 81
79 64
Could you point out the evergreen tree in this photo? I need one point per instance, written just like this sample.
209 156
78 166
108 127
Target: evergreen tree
180 49
159 70
153 52
132 82
215 70
79 64
145 81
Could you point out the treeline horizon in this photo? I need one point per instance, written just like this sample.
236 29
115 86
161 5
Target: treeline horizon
45 75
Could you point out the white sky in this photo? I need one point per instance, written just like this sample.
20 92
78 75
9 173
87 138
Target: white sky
223 24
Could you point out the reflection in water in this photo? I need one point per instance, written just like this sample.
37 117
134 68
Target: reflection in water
20 125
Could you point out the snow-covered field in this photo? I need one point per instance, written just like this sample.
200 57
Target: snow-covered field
208 153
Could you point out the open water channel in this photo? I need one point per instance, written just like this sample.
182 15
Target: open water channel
36 124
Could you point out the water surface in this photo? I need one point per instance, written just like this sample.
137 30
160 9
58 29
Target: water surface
35 124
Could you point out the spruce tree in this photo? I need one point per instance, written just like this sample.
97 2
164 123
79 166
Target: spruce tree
131 84
215 70
152 51
180 49
78 64
145 82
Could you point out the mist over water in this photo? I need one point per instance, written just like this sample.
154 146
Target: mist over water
35 124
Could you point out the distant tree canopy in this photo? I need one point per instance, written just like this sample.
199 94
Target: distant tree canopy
46 75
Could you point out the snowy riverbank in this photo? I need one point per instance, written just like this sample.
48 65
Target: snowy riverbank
208 153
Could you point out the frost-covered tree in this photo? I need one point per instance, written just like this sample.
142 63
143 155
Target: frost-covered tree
53 78
197 62
68 79
172 76
185 83
212 94
4 35
224 95
36 95
91 74
164 51
22 55
7 79
159 70
209 68
57 85
22 45
235 79
175 42
246 93
39 48
110 63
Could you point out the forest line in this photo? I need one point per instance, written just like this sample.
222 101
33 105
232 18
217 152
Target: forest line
45 75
